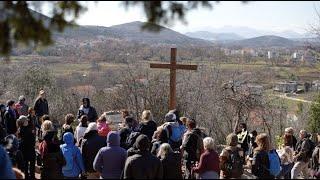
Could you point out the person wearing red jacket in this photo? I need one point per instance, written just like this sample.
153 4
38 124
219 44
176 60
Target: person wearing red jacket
208 167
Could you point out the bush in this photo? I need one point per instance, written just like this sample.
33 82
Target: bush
314 120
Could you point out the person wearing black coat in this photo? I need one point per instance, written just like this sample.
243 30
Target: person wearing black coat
126 131
87 109
10 118
143 165
27 137
41 105
147 126
90 145
171 162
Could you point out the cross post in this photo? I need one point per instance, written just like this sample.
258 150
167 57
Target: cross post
173 66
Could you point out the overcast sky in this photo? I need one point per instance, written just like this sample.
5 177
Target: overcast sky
261 15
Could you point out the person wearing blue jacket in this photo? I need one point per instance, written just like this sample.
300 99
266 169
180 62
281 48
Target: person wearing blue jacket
6 171
74 163
111 159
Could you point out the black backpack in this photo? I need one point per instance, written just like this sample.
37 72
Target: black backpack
234 164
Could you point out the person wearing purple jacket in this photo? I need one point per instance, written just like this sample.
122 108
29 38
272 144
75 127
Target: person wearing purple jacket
110 160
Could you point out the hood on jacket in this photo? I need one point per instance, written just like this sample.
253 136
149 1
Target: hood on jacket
113 138
68 138
88 100
142 142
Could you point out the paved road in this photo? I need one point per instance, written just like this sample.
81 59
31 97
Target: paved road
292 98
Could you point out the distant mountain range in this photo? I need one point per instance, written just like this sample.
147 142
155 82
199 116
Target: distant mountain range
214 36
247 32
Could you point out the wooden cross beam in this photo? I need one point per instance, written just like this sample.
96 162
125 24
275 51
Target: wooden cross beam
173 66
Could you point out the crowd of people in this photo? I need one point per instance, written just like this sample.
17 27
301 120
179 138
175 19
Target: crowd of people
141 148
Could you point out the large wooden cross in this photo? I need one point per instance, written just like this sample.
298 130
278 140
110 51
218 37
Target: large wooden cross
173 66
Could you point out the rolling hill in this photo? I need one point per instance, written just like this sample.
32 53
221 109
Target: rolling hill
129 31
132 31
265 41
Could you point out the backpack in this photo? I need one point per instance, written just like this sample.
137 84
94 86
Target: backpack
234 164
274 163
131 139
175 131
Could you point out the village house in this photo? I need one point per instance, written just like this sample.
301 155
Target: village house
315 85
285 87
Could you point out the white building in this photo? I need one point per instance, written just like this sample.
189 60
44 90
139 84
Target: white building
269 55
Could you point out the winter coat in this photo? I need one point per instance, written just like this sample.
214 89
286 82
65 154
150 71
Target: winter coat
172 166
110 160
79 132
74 163
90 146
302 148
192 148
316 158
124 134
27 142
260 165
92 113
41 107
132 151
147 128
10 120
52 157
209 161
143 165
5 166
103 129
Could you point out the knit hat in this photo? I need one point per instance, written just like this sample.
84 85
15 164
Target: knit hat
142 142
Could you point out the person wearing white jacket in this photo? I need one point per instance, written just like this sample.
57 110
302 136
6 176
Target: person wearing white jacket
81 128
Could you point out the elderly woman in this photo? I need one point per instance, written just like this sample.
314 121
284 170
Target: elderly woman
208 167
171 162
